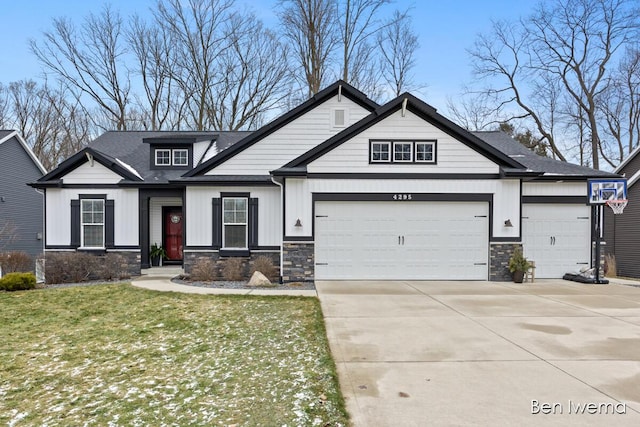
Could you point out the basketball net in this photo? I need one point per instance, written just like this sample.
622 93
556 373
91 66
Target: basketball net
617 206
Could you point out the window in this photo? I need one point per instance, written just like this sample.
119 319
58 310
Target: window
181 157
163 157
424 152
92 223
402 151
171 157
380 152
234 223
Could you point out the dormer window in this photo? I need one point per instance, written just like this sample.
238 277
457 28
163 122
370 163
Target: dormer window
163 157
180 157
168 157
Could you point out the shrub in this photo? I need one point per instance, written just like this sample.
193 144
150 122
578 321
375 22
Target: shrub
18 282
204 270
71 267
16 262
610 267
264 265
232 269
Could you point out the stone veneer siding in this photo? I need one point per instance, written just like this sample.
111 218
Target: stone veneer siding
191 258
499 256
298 262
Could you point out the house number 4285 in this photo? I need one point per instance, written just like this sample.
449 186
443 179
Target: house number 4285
402 197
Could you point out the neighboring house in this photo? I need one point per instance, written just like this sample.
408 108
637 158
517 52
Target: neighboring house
21 207
337 188
622 232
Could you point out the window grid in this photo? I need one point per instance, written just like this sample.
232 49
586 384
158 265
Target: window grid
380 152
234 222
180 157
402 152
424 152
92 223
163 157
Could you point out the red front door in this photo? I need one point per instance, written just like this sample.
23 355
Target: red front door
173 233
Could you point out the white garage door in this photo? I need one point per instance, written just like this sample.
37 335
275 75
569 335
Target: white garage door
401 240
557 238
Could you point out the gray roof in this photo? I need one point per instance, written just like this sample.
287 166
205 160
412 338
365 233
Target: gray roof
5 132
536 163
128 146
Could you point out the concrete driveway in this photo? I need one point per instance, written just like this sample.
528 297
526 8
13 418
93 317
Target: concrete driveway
485 353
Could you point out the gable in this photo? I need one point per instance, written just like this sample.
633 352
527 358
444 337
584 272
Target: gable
12 140
293 139
339 90
451 156
88 173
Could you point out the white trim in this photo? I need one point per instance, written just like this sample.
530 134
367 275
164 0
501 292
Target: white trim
389 151
633 179
433 151
27 149
245 224
155 156
173 157
129 168
83 224
393 152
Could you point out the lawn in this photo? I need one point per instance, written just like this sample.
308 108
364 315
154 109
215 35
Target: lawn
112 355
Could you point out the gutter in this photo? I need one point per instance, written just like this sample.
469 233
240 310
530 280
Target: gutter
280 184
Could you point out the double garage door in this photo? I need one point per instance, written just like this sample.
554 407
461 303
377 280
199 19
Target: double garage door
401 240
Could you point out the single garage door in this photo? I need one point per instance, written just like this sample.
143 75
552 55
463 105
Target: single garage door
557 238
401 240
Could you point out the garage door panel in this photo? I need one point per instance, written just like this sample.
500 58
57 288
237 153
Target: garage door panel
412 240
556 237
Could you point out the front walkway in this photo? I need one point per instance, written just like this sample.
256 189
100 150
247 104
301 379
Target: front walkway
159 279
485 353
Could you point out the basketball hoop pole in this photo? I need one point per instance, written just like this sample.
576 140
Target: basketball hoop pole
598 214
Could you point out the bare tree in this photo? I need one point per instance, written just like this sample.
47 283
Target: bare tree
398 44
197 31
309 25
52 121
90 60
155 52
254 75
359 25
557 59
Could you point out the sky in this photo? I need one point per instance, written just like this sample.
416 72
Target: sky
445 29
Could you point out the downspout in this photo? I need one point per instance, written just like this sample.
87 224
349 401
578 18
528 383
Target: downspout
279 184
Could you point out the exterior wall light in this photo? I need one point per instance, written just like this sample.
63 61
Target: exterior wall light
507 223
298 223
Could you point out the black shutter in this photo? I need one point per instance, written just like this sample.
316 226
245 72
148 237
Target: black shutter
253 223
75 223
217 223
108 224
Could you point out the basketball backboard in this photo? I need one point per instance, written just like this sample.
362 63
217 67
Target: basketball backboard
602 190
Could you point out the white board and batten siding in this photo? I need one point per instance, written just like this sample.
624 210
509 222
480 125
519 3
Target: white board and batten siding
58 218
292 140
199 227
452 155
155 216
96 174
506 197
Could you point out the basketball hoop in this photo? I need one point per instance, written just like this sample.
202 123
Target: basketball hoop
617 205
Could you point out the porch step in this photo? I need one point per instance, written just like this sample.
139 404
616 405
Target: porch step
165 271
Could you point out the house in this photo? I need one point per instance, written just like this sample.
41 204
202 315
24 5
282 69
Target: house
337 188
21 207
621 232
